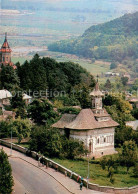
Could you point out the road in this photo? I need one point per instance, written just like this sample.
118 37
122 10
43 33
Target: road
29 179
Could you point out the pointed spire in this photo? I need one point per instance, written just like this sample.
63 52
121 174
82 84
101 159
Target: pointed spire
97 78
5 36
97 84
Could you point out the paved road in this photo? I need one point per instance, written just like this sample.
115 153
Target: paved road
29 179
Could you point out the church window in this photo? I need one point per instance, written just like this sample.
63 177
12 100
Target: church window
104 139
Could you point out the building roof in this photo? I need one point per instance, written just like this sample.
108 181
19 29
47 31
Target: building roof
26 97
134 100
96 91
5 94
64 121
5 47
133 124
85 120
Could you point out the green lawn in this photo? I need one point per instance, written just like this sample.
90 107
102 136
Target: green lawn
99 176
25 144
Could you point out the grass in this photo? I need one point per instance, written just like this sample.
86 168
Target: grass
98 175
24 144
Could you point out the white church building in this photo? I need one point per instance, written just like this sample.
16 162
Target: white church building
94 127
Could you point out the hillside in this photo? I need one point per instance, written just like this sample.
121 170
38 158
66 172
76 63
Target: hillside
113 40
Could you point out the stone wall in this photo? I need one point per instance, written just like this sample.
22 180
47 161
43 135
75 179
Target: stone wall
71 174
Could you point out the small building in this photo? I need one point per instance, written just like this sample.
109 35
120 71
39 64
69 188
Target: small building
134 102
27 99
5 97
94 127
132 124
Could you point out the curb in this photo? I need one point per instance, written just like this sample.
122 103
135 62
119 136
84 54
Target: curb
43 171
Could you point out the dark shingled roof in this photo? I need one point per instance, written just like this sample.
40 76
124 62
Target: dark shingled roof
64 121
85 120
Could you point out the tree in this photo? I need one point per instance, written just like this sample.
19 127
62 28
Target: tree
18 104
73 148
22 128
135 171
9 78
110 175
113 66
135 113
124 80
47 141
6 179
51 143
129 154
103 163
41 111
82 94
108 85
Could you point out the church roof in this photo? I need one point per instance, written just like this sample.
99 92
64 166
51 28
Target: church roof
5 47
85 120
64 121
96 91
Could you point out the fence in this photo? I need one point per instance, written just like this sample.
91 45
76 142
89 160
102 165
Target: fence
69 173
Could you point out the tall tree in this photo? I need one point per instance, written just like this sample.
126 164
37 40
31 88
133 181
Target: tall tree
129 154
6 179
9 78
41 111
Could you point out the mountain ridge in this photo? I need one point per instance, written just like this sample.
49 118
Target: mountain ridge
116 39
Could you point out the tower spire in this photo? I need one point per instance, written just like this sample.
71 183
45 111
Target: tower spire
5 36
97 78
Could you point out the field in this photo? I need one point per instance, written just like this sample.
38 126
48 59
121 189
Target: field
99 176
99 67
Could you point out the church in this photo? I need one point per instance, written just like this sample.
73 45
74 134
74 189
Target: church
94 127
5 54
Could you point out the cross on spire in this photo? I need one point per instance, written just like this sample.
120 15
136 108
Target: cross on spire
97 78
5 36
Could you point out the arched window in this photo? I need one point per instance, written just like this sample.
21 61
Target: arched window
98 140
104 139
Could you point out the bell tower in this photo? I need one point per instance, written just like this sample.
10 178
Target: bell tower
5 53
97 95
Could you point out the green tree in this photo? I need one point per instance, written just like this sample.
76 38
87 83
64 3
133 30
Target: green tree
113 66
124 80
22 128
18 104
6 179
41 111
108 85
111 174
47 141
82 94
135 171
9 78
129 154
73 148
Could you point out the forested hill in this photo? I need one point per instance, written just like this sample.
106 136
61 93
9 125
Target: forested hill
115 40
